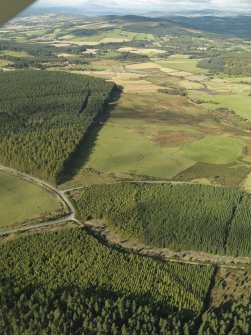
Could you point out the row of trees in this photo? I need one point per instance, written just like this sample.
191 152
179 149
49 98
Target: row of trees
194 217
43 119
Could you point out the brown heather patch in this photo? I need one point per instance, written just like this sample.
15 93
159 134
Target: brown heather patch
231 284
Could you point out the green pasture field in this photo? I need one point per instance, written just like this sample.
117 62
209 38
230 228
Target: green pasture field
159 136
214 150
239 103
116 33
121 150
39 32
111 54
18 54
181 63
5 62
22 200
143 37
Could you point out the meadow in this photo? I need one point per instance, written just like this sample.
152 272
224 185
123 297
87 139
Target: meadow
119 149
239 103
181 63
170 120
214 150
13 53
22 201
158 140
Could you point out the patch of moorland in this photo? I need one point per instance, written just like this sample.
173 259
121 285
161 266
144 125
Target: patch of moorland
230 304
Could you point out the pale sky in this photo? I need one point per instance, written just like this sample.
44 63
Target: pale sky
154 4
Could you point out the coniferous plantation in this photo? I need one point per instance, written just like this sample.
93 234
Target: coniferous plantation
156 239
43 117
192 217
67 282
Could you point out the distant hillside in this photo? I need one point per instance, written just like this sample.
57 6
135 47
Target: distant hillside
236 26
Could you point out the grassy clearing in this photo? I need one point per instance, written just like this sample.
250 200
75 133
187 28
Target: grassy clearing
141 51
247 183
21 201
111 35
181 63
214 150
5 62
143 37
111 54
18 54
121 150
143 66
240 103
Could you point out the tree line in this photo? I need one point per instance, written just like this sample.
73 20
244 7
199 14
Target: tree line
42 121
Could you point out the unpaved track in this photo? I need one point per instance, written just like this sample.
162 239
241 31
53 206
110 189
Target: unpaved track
70 209
185 257
61 220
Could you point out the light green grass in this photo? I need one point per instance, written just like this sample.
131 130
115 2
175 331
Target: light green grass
4 62
240 103
111 54
116 34
12 53
21 200
247 183
214 150
144 37
121 150
39 32
181 63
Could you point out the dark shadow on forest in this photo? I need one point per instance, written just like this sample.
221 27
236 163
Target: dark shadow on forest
84 149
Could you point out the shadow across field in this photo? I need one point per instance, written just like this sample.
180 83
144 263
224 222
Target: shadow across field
86 146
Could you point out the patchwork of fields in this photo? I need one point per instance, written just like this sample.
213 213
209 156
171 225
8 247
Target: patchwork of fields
145 126
173 119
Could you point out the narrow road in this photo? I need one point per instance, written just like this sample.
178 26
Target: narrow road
187 257
71 211
61 220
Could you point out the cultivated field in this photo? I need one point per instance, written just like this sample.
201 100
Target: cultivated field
145 160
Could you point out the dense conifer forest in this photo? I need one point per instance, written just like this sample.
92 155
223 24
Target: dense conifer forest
43 117
193 217
231 63
50 278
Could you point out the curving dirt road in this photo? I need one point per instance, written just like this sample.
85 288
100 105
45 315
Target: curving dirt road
187 257
99 226
70 209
